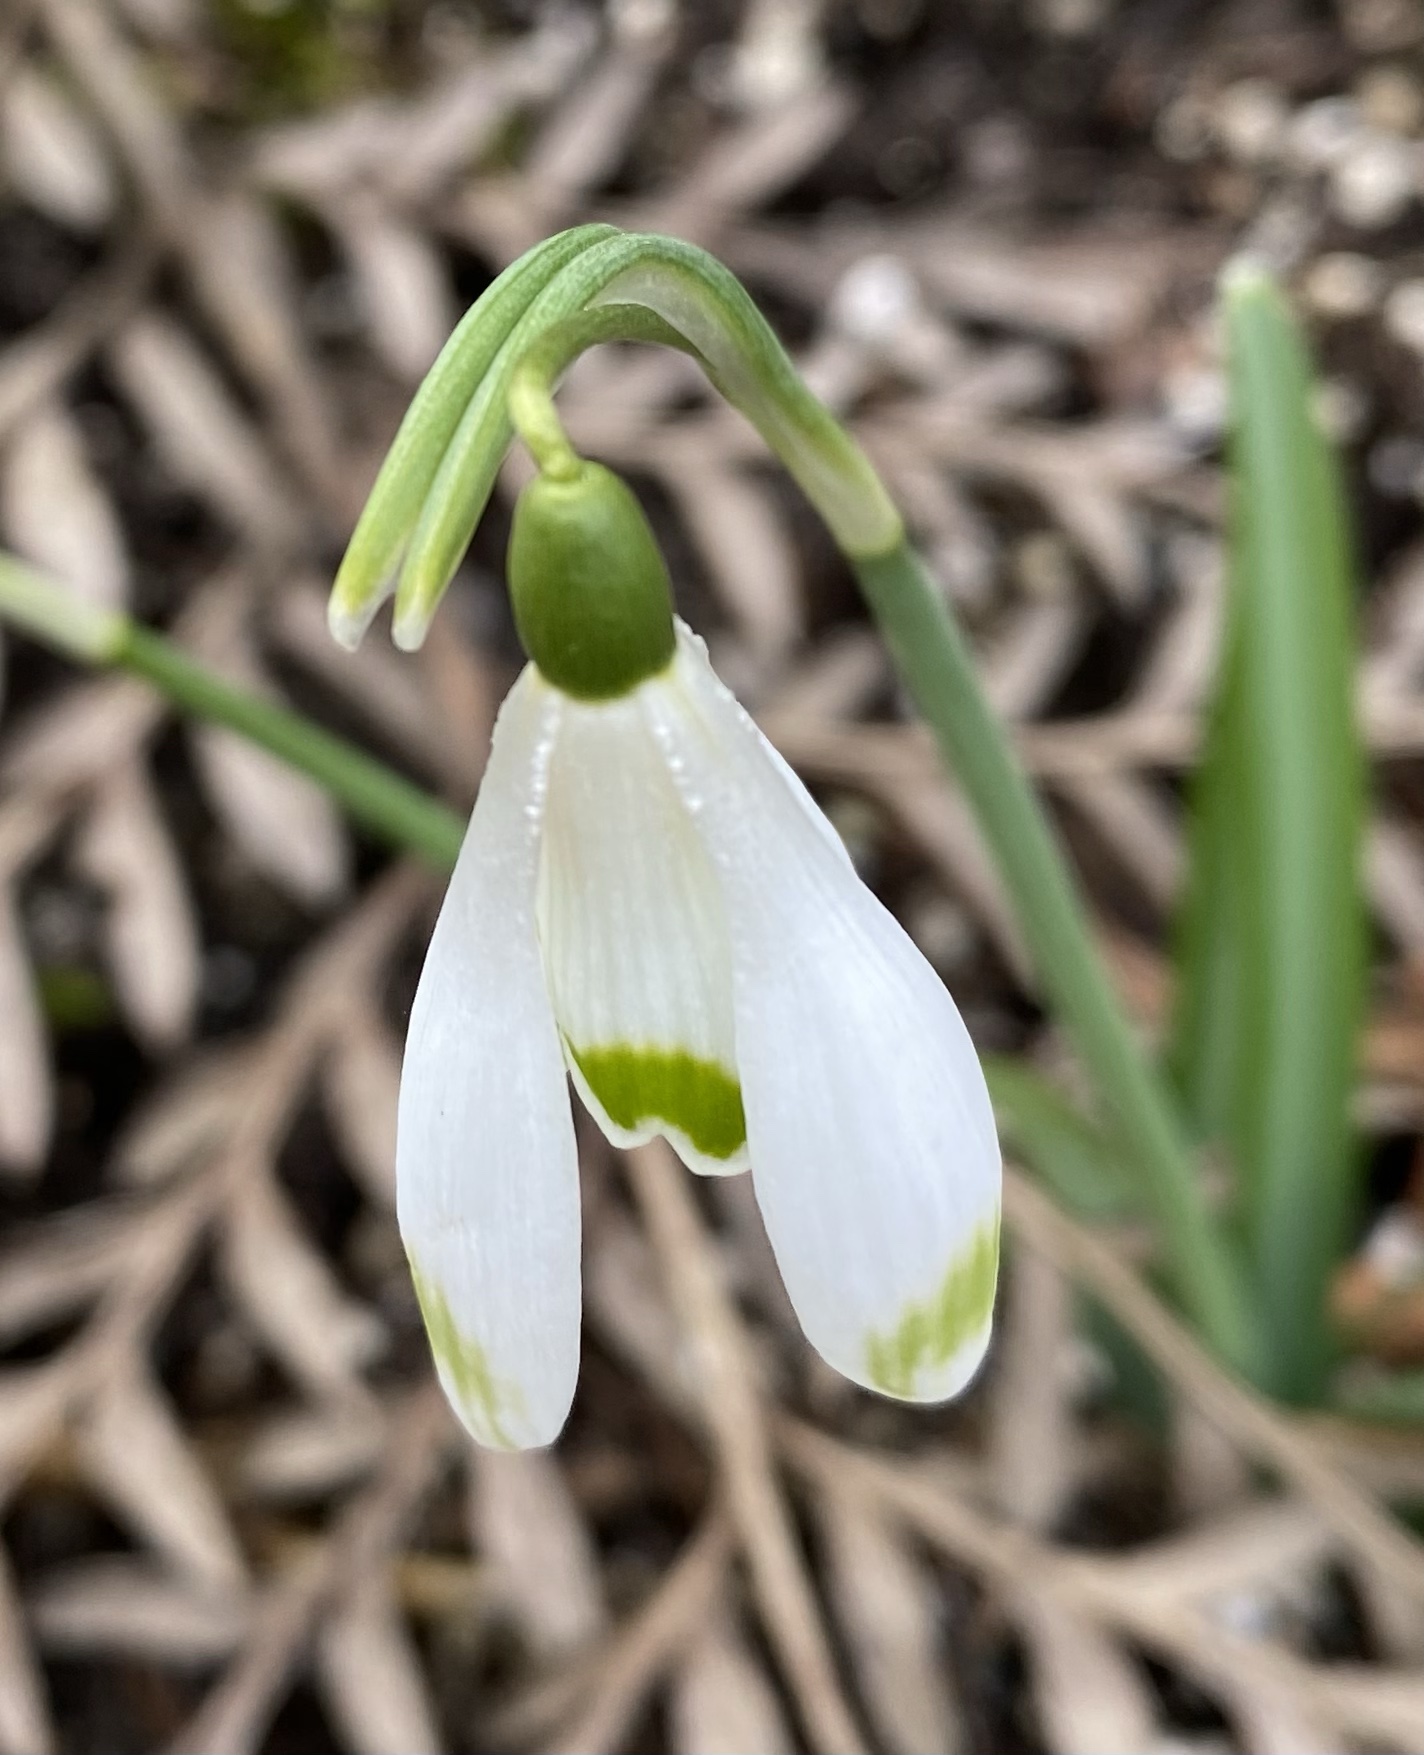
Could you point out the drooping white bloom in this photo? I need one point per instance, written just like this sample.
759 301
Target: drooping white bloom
649 901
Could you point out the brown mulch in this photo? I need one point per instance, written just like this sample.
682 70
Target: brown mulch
232 236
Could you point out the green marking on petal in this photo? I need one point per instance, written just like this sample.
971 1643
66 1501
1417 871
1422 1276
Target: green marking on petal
464 1363
640 1087
931 1333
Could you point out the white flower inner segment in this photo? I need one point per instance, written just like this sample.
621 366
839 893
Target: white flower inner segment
635 943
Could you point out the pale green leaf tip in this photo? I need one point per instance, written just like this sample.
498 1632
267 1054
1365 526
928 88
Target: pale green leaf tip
50 611
362 584
1246 276
348 623
411 625
418 595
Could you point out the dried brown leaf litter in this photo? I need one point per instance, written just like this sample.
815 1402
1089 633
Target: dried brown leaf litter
235 1514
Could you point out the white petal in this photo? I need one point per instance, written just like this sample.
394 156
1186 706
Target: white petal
635 942
872 1138
486 1165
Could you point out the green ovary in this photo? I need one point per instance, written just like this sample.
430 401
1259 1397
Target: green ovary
642 1087
930 1333
464 1363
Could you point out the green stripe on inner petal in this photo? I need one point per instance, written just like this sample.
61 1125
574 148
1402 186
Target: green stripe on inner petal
642 1087
931 1332
465 1364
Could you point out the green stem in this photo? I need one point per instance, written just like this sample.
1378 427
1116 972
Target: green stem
939 673
531 388
60 619
372 794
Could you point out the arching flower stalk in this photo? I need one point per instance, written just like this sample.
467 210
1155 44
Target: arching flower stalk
649 904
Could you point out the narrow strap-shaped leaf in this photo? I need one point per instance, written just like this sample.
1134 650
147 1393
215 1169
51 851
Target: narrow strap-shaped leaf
1209 1022
1386 1398
1085 1167
1273 948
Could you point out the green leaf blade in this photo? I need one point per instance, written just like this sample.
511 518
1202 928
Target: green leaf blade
1083 1165
1273 950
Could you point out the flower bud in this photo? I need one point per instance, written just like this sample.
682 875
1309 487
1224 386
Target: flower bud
592 600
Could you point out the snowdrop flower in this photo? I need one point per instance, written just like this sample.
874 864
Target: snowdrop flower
649 903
